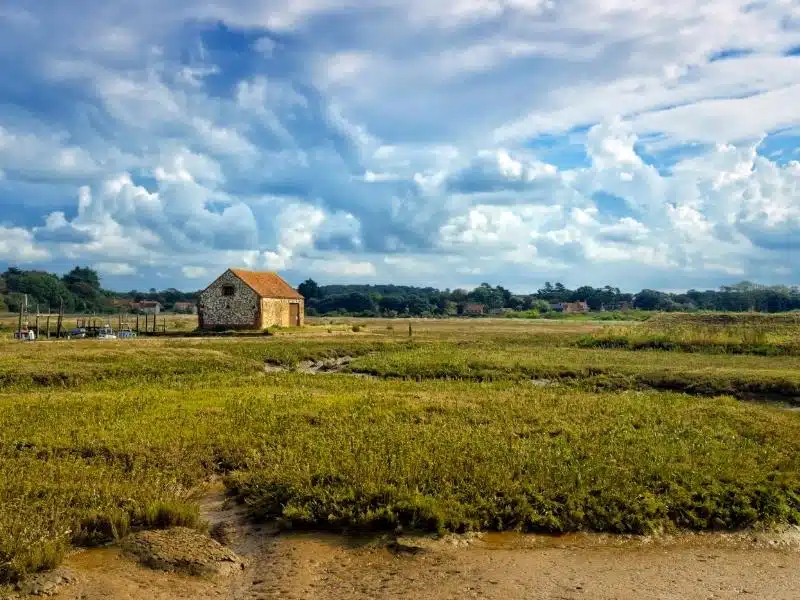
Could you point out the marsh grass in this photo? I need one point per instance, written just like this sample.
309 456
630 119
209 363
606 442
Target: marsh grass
765 335
459 457
593 369
100 439
123 364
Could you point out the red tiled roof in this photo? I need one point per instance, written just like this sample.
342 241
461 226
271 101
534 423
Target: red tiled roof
266 284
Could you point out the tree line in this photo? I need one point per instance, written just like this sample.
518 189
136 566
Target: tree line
392 300
81 291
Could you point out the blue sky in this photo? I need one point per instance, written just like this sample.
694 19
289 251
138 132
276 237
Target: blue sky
419 142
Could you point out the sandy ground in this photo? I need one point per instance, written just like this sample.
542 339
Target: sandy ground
495 566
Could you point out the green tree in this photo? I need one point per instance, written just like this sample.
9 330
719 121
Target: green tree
309 289
84 284
649 299
83 275
44 289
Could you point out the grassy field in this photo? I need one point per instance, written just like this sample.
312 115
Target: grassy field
768 335
465 424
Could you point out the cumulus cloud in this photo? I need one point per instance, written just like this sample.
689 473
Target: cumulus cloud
226 134
17 245
192 272
342 267
114 268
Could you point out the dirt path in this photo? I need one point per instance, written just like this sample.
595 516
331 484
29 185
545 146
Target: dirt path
493 566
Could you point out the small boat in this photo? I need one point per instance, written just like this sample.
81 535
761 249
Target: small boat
106 333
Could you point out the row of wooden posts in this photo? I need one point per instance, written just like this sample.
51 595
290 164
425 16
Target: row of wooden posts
59 322
149 325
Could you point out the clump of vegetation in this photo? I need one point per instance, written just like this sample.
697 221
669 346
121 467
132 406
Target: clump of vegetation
527 460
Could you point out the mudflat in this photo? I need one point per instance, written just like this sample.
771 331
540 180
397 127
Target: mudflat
488 565
333 568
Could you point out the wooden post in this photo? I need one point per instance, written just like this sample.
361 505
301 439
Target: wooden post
19 328
48 323
119 320
60 317
37 320
137 322
164 323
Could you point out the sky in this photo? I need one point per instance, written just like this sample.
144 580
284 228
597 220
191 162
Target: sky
428 142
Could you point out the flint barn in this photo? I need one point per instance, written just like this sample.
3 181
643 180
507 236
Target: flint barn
240 299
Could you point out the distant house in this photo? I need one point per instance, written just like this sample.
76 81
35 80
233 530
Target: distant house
580 306
146 307
240 299
185 307
473 308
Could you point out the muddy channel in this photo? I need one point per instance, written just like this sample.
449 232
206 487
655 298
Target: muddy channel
494 565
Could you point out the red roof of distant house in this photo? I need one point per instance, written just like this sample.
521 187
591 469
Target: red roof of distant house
473 307
267 284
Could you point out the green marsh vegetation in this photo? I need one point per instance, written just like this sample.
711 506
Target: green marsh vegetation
726 333
99 438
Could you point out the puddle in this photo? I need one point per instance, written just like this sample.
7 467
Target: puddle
88 559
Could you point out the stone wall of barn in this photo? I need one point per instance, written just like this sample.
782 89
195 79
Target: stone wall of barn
240 311
277 312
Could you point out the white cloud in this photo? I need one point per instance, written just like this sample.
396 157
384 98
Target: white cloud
17 246
192 272
718 212
113 268
43 158
300 226
186 166
337 267
122 222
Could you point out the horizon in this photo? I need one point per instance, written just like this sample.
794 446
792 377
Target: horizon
508 141
467 287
